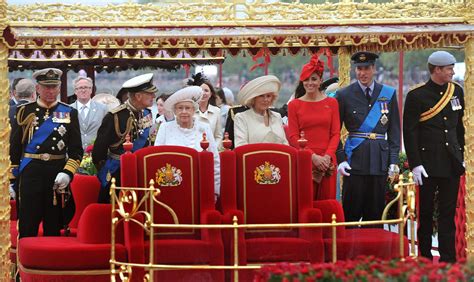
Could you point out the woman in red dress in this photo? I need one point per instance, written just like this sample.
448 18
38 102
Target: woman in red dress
318 117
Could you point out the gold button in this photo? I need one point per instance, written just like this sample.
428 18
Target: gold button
54 138
36 128
37 109
422 149
447 143
52 148
445 118
446 130
441 93
37 147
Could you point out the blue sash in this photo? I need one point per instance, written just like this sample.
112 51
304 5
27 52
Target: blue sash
370 121
43 132
112 165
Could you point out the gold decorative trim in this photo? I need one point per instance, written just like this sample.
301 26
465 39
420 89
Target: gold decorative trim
239 13
244 177
64 272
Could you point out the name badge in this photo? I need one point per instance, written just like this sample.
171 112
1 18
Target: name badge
61 117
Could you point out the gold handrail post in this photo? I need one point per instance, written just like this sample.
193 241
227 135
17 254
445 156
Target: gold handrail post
411 212
151 196
236 248
112 231
334 238
401 226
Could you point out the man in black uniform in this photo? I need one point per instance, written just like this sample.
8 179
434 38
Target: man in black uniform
369 111
45 151
132 118
434 141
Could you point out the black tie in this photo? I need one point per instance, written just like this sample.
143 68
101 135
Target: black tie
367 94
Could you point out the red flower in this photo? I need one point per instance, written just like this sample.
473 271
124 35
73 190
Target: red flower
89 149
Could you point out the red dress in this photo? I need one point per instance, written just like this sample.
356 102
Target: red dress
320 123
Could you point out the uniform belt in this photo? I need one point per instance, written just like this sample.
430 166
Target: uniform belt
114 156
45 157
370 135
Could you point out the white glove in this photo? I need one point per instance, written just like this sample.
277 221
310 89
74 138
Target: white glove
343 167
62 180
417 173
12 192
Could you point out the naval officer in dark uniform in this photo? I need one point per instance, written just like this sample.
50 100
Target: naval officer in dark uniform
132 118
45 151
369 111
434 141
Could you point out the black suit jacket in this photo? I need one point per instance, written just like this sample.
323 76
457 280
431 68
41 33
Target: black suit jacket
372 157
437 143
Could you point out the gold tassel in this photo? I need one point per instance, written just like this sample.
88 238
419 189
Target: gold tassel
55 201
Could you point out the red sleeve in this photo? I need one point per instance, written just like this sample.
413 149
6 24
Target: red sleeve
293 124
335 132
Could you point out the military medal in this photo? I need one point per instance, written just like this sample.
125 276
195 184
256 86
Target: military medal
46 115
384 111
62 130
108 177
455 104
61 117
61 145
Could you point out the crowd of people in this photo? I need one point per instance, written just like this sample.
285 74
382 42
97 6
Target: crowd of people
49 137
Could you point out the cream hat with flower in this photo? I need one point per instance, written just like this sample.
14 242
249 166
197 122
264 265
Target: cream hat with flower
188 94
259 86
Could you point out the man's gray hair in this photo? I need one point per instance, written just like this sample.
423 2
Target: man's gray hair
25 88
79 78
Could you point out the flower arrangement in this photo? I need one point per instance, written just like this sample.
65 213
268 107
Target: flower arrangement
368 269
87 166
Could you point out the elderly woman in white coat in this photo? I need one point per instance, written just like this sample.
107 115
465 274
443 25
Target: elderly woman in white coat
186 130
259 124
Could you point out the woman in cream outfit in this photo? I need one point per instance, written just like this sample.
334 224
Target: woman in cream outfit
206 112
259 124
186 130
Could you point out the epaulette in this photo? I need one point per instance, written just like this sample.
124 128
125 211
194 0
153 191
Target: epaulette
64 104
22 105
458 84
416 86
118 109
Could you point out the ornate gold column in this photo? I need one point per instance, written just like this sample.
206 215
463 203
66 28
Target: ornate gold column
469 149
4 156
344 66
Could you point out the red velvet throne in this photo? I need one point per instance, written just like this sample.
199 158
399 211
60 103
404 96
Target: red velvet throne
272 184
185 178
85 189
358 241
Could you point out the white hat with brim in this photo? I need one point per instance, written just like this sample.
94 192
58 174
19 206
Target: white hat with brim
441 59
188 94
259 86
140 83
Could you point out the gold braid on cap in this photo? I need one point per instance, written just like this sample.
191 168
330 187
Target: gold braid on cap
26 123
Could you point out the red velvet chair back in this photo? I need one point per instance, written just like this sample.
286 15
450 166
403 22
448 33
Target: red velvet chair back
85 189
182 174
267 186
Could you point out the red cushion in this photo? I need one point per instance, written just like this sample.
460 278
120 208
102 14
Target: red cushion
85 189
287 249
366 241
57 253
181 251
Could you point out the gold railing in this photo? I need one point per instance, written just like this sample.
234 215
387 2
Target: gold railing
127 205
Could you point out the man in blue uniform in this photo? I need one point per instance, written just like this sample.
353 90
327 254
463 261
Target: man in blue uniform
434 141
369 111
132 118
45 152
